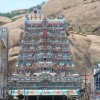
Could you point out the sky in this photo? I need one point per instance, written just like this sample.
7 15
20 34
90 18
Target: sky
9 5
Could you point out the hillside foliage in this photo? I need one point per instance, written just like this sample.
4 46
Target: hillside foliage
13 14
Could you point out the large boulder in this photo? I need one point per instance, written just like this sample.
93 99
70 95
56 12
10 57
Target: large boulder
13 58
94 49
82 14
14 37
16 24
15 31
4 20
85 51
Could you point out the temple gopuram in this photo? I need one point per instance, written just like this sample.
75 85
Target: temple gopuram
45 65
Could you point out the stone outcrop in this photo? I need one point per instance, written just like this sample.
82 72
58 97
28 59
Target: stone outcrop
4 20
85 51
82 14
15 33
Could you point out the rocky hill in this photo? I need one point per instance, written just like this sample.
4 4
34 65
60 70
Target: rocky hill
82 14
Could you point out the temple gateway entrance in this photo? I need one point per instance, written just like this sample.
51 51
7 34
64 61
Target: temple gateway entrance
48 97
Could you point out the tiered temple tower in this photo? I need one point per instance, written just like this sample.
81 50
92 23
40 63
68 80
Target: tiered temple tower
45 65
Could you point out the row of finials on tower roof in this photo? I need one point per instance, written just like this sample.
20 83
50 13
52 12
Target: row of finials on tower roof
35 17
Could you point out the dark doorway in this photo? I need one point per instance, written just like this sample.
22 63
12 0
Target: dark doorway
45 98
31 98
35 11
58 97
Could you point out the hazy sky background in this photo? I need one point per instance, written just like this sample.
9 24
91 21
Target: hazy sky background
9 5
